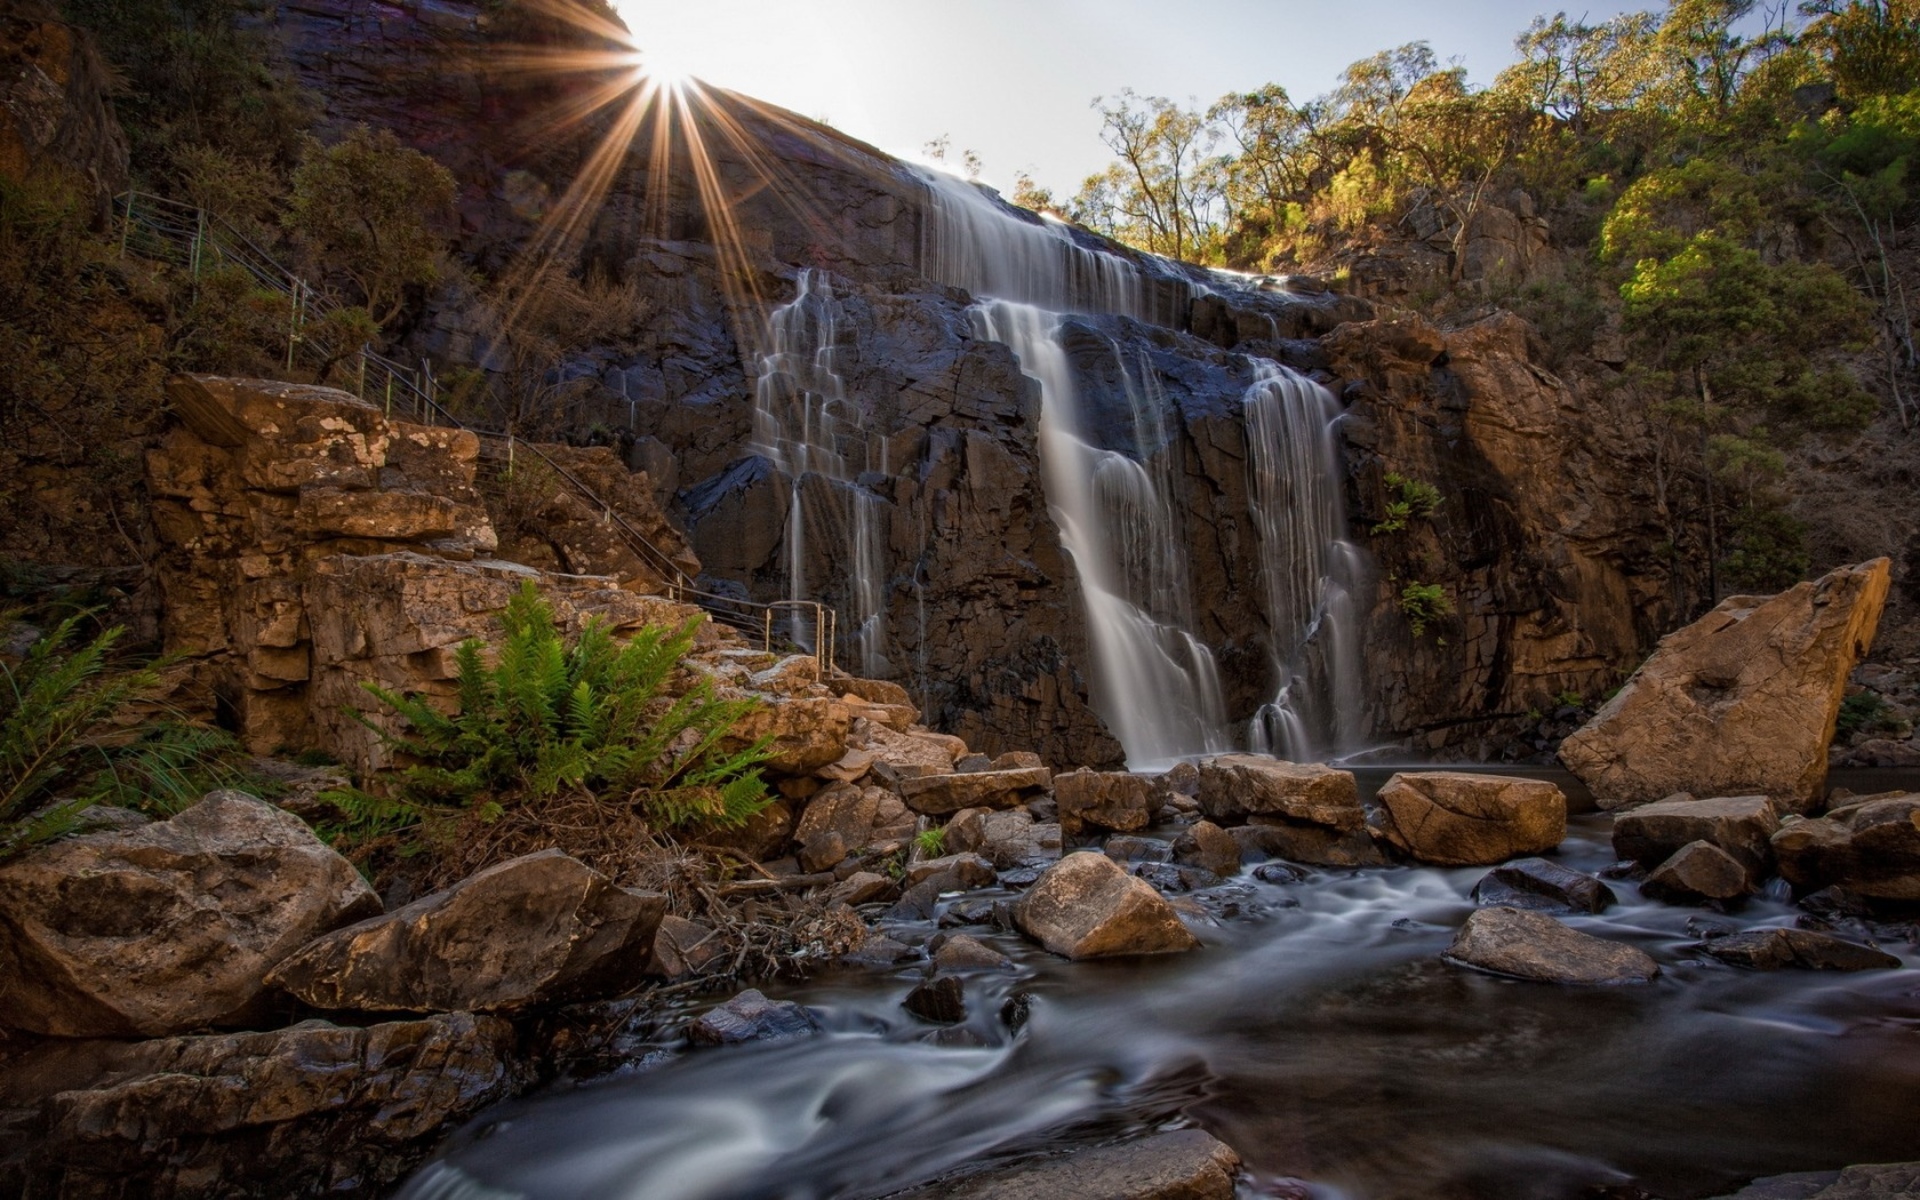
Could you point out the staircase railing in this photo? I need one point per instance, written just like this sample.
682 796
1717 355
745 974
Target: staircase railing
190 237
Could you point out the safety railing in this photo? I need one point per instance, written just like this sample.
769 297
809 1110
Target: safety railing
190 237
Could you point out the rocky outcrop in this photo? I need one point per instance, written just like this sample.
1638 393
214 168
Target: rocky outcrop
1532 945
536 930
940 795
308 1111
546 522
1458 820
1743 701
1742 826
1872 849
1235 786
1187 1164
1087 906
55 116
168 927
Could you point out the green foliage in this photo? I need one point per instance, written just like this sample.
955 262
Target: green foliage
68 738
931 843
1766 550
1411 498
546 717
1424 604
1862 712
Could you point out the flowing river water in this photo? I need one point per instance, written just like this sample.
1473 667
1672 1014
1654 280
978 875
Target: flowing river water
1317 1032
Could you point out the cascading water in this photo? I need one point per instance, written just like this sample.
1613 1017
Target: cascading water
1309 571
1155 684
804 421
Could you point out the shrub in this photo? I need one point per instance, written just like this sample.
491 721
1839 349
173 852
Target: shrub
931 843
1411 498
547 717
1424 604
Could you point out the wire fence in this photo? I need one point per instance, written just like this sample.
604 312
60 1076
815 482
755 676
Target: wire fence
195 240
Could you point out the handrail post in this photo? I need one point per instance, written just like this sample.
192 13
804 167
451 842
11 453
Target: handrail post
126 225
766 637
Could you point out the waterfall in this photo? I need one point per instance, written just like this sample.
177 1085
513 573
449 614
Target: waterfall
1309 572
805 423
1154 683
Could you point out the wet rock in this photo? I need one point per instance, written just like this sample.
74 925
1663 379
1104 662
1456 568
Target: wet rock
1008 839
1016 1009
1208 847
683 949
1743 701
1168 878
1801 949
864 887
1871 849
1113 800
1800 1185
1232 787
1532 945
879 950
1877 1181
1187 1164
1278 872
1743 826
169 926
960 952
938 795
1547 886
312 1109
917 903
1314 845
951 873
1127 848
1086 906
540 929
1697 872
1459 820
751 1017
941 1000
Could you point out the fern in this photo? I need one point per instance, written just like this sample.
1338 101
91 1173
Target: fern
546 717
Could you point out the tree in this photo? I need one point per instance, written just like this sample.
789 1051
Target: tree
1163 193
365 209
1871 47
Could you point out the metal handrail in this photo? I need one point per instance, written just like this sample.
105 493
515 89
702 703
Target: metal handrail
189 232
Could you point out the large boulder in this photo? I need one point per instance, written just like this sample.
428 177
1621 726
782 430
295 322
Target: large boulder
1801 949
540 929
1547 886
1532 945
844 819
1871 849
1087 906
1698 872
1742 701
314 1109
1236 786
939 795
1186 1164
168 927
1115 800
1455 819
1742 826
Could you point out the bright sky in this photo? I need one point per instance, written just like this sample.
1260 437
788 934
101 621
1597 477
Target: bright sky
1014 79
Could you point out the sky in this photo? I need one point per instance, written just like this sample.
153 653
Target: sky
1014 80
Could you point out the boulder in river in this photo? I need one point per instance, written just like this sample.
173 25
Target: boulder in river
1186 1164
1547 886
1740 825
313 1109
1236 786
1209 847
1697 872
751 1017
1872 1181
1532 945
1454 819
1742 701
1802 949
1313 845
1114 800
540 929
941 1000
1087 906
169 926
1870 848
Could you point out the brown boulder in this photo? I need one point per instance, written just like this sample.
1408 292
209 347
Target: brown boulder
1186 1164
807 733
1532 945
1459 820
1871 849
167 927
1740 825
1696 872
938 795
1010 839
1742 701
1234 786
1801 949
1113 800
1209 847
1087 906
539 929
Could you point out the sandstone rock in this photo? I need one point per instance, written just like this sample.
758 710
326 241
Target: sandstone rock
683 949
864 887
1234 786
1113 800
1742 701
960 952
941 1000
1017 760
540 929
912 752
1126 848
1209 847
1313 845
951 873
309 1110
1007 839
1872 849
1697 872
823 851
1532 945
1187 1164
938 795
1743 826
856 816
1804 949
848 767
1086 906
1459 820
1538 884
808 733
169 926
751 1017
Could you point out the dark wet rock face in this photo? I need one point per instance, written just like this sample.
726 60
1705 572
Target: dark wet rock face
1539 884
308 1111
941 1000
1531 945
751 1017
1801 949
